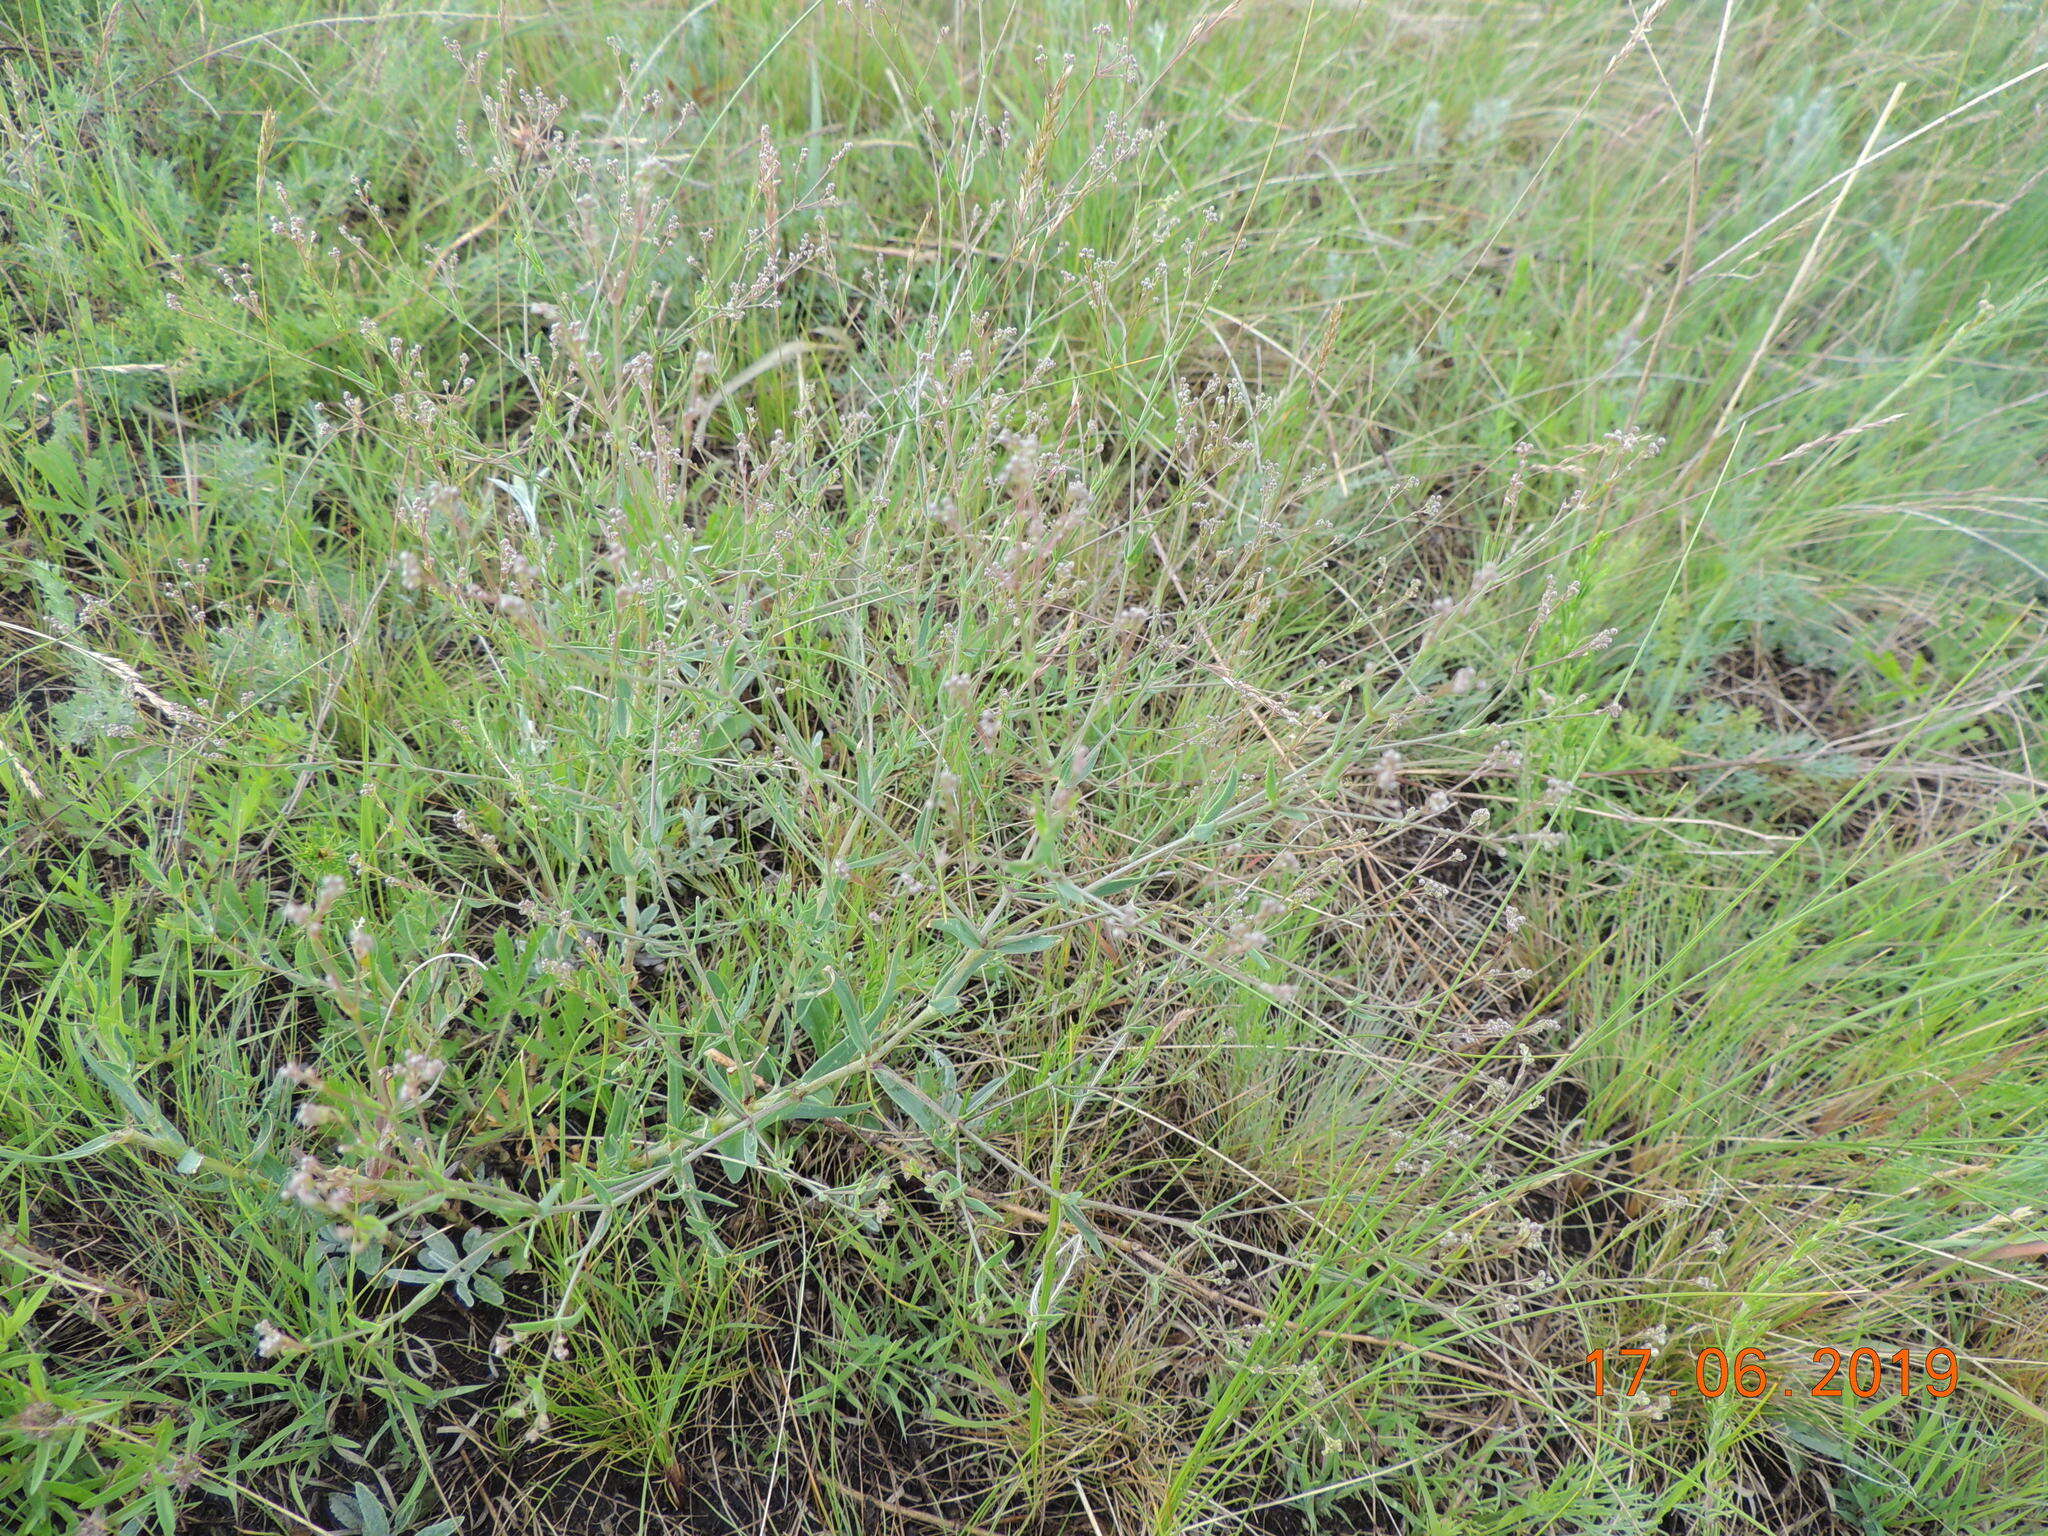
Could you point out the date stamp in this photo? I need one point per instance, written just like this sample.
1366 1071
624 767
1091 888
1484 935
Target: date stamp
1751 1373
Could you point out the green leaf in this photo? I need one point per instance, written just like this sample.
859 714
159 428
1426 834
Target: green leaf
371 1509
850 1011
912 1103
806 1109
121 1085
1030 944
959 928
722 733
1815 1438
843 1054
1116 887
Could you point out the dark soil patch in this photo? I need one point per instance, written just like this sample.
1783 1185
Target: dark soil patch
29 674
1787 695
1586 1209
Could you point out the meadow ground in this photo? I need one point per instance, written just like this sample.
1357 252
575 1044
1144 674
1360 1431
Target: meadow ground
1023 769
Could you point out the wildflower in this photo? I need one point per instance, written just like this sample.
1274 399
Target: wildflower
1464 680
1599 642
319 1188
1388 774
272 1341
1245 939
304 1185
184 1471
418 1075
41 1421
1123 921
476 834
1553 598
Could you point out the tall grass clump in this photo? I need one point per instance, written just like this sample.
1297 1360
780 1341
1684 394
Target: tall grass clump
895 768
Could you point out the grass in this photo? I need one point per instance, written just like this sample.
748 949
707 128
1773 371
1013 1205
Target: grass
1021 769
